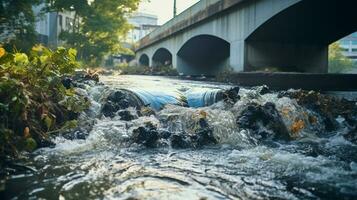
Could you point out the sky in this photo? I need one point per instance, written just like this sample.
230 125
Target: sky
164 8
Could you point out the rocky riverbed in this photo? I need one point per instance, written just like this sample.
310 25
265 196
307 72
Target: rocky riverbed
153 137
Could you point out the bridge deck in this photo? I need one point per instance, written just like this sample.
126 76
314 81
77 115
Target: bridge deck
197 13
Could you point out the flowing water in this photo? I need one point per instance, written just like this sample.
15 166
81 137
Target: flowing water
316 165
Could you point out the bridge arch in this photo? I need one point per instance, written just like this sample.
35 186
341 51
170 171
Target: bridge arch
144 60
203 54
162 57
297 38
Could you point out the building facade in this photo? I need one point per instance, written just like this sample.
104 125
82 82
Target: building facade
50 25
143 24
349 46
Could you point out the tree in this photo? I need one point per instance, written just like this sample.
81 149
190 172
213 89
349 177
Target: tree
99 26
17 21
338 63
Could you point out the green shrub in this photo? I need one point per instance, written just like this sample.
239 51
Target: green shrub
33 100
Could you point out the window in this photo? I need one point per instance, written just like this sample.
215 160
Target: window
354 42
69 23
345 42
60 21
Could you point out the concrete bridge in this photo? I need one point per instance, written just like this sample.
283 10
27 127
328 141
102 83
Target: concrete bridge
250 35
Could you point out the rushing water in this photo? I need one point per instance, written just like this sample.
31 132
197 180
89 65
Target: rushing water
105 166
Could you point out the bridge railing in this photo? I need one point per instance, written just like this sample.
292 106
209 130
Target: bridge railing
185 15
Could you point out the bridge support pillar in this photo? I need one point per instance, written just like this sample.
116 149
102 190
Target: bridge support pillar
174 61
236 60
287 57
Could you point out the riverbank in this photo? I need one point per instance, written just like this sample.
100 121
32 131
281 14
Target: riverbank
39 100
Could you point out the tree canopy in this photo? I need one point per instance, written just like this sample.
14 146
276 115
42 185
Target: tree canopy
99 26
338 63
17 22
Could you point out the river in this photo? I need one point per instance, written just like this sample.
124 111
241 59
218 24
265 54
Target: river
317 164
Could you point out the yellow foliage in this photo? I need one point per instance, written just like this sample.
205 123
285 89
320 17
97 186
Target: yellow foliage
2 52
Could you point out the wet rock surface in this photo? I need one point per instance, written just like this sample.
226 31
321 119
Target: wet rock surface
126 115
265 121
351 135
149 135
146 135
120 100
229 96
327 106
202 135
262 89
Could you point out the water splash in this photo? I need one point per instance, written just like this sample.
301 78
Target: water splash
107 165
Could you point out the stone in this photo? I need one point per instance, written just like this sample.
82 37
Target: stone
180 141
67 82
126 115
120 100
351 135
262 89
328 107
146 111
231 95
146 135
254 116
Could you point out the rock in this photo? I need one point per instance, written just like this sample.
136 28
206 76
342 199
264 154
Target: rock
75 135
254 116
43 142
180 141
164 134
231 95
109 109
202 135
328 107
120 100
351 136
262 89
67 83
146 135
146 111
126 115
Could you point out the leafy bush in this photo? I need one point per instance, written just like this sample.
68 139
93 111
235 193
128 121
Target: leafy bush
338 63
33 100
